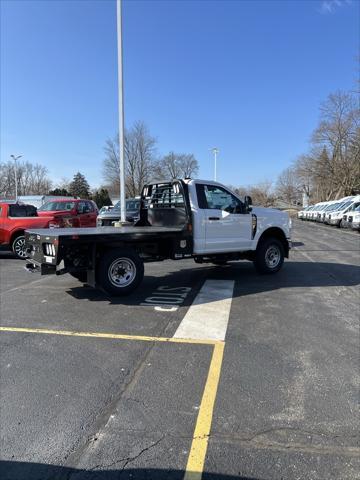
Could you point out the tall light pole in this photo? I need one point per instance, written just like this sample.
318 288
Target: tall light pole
15 159
215 151
121 110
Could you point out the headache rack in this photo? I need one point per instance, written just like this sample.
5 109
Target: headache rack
165 204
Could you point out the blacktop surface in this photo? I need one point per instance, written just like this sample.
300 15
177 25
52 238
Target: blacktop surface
266 388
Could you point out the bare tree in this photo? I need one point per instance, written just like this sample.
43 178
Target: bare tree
336 167
262 193
139 160
32 179
289 187
176 165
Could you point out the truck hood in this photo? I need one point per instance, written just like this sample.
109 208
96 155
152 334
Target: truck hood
115 215
271 217
264 212
55 213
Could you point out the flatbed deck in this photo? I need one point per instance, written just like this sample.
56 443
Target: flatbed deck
110 233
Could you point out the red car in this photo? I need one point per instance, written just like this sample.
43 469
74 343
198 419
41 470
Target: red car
15 218
71 212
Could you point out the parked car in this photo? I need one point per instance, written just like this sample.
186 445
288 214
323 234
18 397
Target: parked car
328 208
347 220
319 212
335 216
301 213
316 211
308 212
15 218
71 212
106 208
355 220
107 218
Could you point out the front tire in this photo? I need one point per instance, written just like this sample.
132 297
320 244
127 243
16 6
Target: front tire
269 256
120 272
18 247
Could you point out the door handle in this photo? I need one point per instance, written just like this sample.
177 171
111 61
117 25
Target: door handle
214 218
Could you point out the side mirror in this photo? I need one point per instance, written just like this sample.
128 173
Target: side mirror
248 200
248 203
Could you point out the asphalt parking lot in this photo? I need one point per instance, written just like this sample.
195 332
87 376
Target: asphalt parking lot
102 388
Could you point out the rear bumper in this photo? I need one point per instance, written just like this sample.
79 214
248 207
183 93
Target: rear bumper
355 225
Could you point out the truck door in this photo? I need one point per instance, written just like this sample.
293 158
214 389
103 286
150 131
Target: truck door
86 214
227 226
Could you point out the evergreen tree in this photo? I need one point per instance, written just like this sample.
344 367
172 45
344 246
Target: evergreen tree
79 187
62 192
101 197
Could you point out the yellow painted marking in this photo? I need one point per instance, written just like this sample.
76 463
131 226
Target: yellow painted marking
115 336
195 464
196 460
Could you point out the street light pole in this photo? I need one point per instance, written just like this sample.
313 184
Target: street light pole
215 152
16 189
121 110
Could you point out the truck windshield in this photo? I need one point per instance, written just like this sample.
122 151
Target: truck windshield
57 206
344 205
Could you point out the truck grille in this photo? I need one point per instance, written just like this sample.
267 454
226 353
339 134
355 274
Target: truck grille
107 223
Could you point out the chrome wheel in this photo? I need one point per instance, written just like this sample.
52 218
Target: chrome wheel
272 256
19 247
122 272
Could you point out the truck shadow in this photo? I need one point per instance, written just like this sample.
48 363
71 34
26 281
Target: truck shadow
7 255
10 470
247 280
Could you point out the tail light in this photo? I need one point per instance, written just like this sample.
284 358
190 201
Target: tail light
49 249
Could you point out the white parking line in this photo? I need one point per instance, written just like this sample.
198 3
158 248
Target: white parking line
208 316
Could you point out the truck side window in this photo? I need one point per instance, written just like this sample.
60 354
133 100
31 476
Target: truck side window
31 211
217 198
17 211
89 207
81 207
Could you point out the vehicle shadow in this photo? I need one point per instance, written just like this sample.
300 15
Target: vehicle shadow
248 281
8 255
10 470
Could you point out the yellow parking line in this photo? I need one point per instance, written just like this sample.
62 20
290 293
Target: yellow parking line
196 460
195 464
115 336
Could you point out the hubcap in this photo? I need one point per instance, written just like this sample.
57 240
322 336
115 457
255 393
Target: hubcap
19 248
272 256
122 272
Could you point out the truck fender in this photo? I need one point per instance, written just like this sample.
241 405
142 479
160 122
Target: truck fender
278 233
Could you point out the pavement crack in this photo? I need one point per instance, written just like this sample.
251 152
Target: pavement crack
128 459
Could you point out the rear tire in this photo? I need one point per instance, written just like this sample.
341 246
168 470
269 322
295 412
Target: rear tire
18 247
269 256
120 272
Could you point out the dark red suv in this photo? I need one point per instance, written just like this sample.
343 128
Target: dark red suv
71 212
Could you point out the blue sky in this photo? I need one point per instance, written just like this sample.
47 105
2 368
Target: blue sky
246 76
